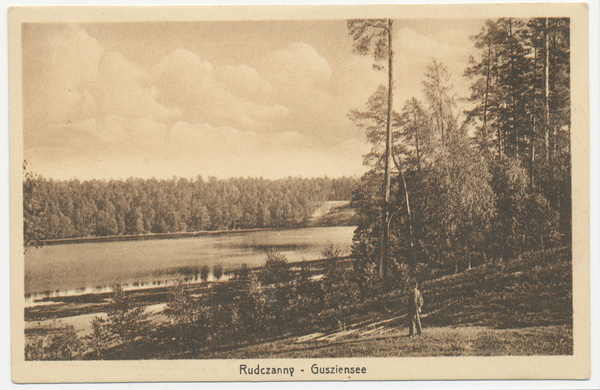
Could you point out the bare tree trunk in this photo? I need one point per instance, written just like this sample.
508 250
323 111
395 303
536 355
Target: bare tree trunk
533 126
554 139
569 140
532 158
388 151
546 90
410 225
417 142
498 110
514 136
487 88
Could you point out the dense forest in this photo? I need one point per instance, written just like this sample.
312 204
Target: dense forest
466 187
63 209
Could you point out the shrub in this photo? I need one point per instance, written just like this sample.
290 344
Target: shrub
60 342
340 288
253 307
126 321
187 315
276 268
222 320
180 309
101 338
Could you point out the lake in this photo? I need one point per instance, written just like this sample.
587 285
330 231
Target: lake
93 267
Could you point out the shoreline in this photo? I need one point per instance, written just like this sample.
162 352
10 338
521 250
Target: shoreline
162 236
149 293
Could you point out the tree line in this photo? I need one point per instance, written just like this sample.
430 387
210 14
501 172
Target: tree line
63 209
449 190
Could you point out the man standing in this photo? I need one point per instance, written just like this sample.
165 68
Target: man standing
415 302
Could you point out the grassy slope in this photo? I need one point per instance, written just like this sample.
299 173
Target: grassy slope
520 307
443 341
333 213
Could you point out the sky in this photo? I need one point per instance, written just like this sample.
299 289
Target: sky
227 99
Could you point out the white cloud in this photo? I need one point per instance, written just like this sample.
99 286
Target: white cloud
243 81
298 68
222 96
120 114
301 60
413 52
122 89
56 68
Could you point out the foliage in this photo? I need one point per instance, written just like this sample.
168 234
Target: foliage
370 36
276 268
63 209
126 321
33 212
339 286
490 183
57 342
183 311
525 220
101 338
252 305
223 313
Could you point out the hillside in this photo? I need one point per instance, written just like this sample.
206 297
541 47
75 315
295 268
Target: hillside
333 213
519 307
522 306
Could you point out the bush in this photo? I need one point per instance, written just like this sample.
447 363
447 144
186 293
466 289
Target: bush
101 338
340 288
126 321
276 268
222 316
253 306
59 342
180 309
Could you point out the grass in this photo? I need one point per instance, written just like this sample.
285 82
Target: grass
444 341
521 306
334 213
528 291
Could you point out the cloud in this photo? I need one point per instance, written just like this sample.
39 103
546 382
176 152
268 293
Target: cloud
413 52
243 81
72 87
222 96
298 66
57 63
122 89
188 114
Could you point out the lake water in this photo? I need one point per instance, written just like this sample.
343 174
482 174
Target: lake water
94 267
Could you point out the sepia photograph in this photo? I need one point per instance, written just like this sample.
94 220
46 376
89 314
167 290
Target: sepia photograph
299 193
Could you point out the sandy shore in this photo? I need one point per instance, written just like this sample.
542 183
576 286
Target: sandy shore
82 323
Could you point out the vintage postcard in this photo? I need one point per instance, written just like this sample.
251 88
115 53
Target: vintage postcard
299 193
